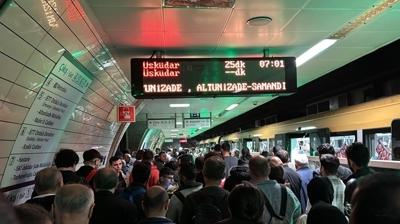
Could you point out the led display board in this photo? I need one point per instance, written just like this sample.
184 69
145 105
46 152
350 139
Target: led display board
204 77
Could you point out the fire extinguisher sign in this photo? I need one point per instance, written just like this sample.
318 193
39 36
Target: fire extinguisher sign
126 113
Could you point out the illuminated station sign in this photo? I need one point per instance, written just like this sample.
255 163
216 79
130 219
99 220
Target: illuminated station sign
203 77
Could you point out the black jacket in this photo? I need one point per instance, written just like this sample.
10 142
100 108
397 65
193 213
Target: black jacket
111 209
156 221
217 195
46 202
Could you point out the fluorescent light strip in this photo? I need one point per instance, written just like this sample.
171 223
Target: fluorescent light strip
314 50
179 122
231 107
179 105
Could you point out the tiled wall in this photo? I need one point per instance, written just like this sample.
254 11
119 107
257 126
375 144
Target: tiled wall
34 34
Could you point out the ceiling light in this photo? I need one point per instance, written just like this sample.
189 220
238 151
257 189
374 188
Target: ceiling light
179 122
257 135
305 128
314 50
179 105
174 130
232 106
259 21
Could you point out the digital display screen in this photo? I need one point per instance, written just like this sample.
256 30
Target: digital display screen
212 77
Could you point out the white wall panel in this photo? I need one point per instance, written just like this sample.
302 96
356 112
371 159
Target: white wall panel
30 79
12 113
13 42
5 148
9 68
21 96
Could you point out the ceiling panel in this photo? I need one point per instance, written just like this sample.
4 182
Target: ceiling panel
270 4
236 40
205 40
130 39
184 20
126 3
341 4
384 22
238 21
321 20
130 18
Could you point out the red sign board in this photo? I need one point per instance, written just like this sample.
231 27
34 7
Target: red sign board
126 113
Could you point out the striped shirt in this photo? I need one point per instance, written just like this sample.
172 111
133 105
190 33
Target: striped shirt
338 189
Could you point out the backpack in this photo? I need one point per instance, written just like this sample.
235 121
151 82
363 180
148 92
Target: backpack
207 212
275 218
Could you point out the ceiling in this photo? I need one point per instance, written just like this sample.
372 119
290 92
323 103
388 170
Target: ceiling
136 28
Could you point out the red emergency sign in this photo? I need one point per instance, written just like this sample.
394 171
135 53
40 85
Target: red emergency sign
126 113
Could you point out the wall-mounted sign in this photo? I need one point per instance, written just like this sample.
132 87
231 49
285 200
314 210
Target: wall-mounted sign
197 123
161 123
212 77
126 113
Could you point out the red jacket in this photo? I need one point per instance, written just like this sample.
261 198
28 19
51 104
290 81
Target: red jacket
154 176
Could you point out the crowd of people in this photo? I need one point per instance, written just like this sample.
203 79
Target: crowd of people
219 187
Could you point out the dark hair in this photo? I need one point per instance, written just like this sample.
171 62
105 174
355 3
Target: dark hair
283 155
148 155
246 202
7 212
48 180
66 158
185 158
199 162
325 148
106 179
32 214
211 154
266 153
238 174
214 168
162 152
139 154
259 166
141 172
173 165
358 153
330 163
277 174
226 147
166 171
91 154
320 189
277 148
217 148
114 159
187 170
246 154
376 200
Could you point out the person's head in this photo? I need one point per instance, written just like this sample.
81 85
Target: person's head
173 165
329 164
199 163
238 174
166 177
266 153
127 157
276 172
47 181
377 200
320 189
325 148
226 147
92 157
163 156
325 213
357 156
148 156
283 155
105 179
236 153
73 203
214 169
277 148
155 202
246 202
141 173
185 158
139 154
217 148
66 158
259 168
7 212
246 153
116 163
211 154
187 172
300 160
32 214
